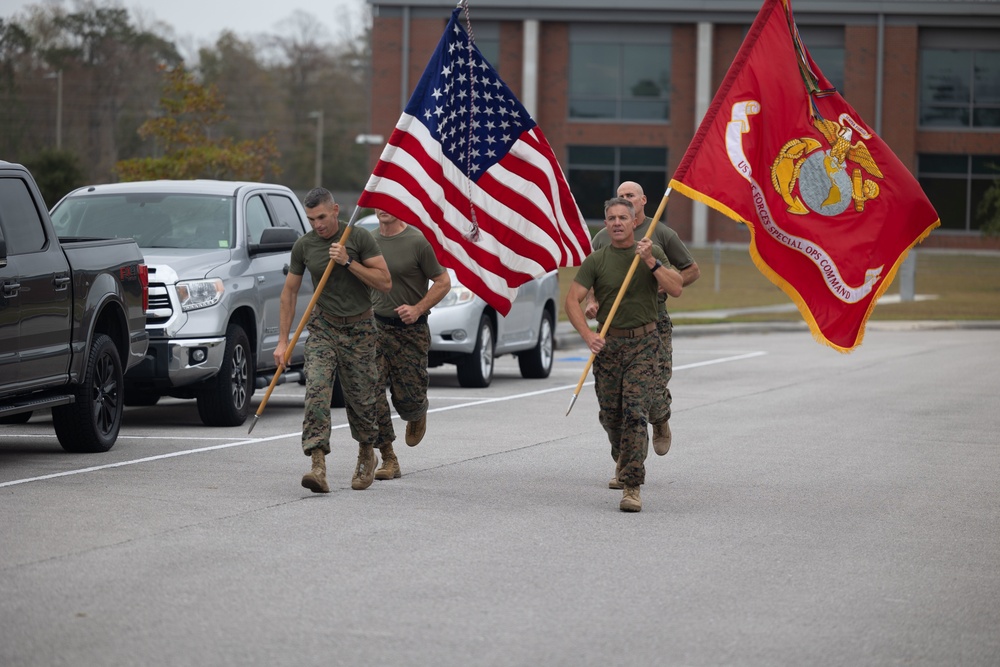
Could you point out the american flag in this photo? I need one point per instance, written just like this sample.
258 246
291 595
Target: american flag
469 167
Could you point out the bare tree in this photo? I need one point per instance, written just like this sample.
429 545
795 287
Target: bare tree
102 69
110 63
321 76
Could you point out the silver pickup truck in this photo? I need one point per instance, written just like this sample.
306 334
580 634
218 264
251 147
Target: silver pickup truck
218 253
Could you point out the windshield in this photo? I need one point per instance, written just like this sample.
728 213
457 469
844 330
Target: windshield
154 220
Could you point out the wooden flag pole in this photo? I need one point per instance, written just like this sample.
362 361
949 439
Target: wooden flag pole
618 299
302 324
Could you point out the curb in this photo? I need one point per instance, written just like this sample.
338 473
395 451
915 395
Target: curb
566 336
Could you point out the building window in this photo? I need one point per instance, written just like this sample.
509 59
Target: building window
487 39
595 172
826 46
619 72
957 187
960 79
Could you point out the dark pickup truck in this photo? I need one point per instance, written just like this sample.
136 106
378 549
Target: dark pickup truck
72 320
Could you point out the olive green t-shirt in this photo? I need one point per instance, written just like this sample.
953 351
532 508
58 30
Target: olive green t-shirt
412 264
344 294
664 237
605 270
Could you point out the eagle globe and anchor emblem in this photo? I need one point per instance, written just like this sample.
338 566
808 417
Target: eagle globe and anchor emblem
827 184
810 178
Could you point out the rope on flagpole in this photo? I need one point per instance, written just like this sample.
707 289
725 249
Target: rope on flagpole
472 234
618 299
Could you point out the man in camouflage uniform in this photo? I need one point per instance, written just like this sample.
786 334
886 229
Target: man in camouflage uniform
403 335
342 337
680 258
626 376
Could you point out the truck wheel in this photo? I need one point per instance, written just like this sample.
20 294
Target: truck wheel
91 424
476 369
537 362
225 400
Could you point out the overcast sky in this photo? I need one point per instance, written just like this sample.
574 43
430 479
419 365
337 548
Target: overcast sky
200 21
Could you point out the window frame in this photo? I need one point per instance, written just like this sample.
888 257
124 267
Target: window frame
971 42
968 179
619 171
622 37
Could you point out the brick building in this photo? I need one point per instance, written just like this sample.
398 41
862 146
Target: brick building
619 90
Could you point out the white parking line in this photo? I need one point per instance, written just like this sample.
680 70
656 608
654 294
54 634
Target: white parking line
722 360
298 434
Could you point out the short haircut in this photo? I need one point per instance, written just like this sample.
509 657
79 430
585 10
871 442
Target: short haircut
318 196
619 201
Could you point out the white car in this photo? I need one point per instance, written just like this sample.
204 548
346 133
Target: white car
467 332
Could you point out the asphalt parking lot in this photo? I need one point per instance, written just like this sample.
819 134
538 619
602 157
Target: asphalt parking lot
816 509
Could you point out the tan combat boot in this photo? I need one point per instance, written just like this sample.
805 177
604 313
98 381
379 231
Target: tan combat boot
390 464
364 473
415 431
614 483
315 479
661 438
631 502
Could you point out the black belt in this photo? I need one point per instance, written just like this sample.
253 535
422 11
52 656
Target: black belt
637 332
398 322
350 319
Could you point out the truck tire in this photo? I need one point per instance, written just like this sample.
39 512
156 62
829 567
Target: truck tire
91 424
476 369
537 362
225 399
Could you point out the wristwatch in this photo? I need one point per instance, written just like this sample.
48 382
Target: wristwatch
656 266
348 262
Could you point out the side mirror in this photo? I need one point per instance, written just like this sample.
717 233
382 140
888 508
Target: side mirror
274 239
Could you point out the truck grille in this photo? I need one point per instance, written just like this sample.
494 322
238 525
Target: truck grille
160 308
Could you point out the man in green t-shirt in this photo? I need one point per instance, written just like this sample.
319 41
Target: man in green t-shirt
342 337
626 361
404 338
680 258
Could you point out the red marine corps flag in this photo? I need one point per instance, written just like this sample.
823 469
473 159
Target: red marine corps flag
832 211
469 168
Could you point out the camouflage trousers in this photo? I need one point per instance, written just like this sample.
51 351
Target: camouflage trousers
628 386
665 330
402 367
347 350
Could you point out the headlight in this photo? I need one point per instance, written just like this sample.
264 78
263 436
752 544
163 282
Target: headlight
456 296
195 294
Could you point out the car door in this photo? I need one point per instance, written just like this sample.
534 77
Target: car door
10 315
519 325
40 284
286 213
264 210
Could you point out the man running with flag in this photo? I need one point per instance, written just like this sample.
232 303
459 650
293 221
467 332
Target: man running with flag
626 363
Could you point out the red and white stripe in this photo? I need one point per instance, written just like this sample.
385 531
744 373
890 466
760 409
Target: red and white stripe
528 222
